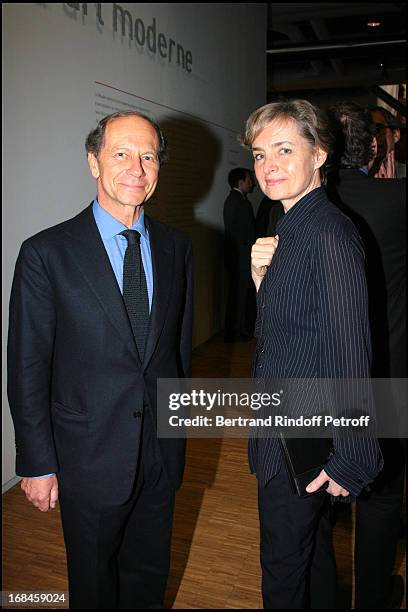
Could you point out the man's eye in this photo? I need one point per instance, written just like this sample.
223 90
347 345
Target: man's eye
120 155
258 156
285 151
149 157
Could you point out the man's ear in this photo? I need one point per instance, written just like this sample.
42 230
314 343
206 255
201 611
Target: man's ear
396 134
93 165
373 153
374 147
320 157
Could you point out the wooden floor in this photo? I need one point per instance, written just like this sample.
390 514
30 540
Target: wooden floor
215 554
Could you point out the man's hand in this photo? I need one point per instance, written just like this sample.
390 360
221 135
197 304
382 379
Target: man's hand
42 492
333 488
261 256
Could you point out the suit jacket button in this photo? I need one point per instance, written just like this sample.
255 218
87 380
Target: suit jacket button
137 414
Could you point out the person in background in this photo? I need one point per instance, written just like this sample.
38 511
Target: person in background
387 134
100 307
378 209
401 145
239 224
312 323
268 214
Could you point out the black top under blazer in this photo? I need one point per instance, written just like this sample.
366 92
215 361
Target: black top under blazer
76 385
313 323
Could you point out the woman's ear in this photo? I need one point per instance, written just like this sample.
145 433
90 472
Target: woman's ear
320 157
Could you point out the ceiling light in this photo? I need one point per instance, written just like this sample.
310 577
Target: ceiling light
373 23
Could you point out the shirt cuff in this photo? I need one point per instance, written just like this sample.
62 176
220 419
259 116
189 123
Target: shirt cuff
347 474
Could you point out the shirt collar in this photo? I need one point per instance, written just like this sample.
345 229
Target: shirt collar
298 213
110 227
363 170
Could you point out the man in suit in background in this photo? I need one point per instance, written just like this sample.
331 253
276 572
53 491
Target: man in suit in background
268 214
101 307
378 209
239 223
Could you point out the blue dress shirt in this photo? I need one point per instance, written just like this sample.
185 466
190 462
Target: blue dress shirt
116 245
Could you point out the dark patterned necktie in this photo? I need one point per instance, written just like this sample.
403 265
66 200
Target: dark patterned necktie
135 293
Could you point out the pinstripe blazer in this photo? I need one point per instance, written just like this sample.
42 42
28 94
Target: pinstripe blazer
313 323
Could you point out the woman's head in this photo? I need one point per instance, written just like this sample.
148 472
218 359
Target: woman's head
290 142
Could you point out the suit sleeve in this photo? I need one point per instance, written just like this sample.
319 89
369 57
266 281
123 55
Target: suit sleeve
345 350
187 320
32 321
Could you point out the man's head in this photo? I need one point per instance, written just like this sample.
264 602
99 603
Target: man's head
241 178
125 152
290 142
387 131
354 132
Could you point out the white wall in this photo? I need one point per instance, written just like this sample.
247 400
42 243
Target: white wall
63 70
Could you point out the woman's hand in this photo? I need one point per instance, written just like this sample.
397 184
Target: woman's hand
261 256
333 488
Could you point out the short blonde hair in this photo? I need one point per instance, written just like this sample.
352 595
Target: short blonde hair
312 123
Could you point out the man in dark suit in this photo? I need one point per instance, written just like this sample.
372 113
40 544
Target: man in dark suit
239 223
101 307
378 209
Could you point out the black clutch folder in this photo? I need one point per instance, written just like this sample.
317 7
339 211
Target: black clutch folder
305 458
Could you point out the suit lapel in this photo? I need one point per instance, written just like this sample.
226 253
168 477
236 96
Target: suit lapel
92 259
162 249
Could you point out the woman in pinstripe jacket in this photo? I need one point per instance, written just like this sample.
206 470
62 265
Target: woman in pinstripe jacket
312 323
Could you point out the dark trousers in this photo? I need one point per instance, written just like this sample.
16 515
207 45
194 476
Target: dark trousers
240 312
119 557
294 531
378 521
